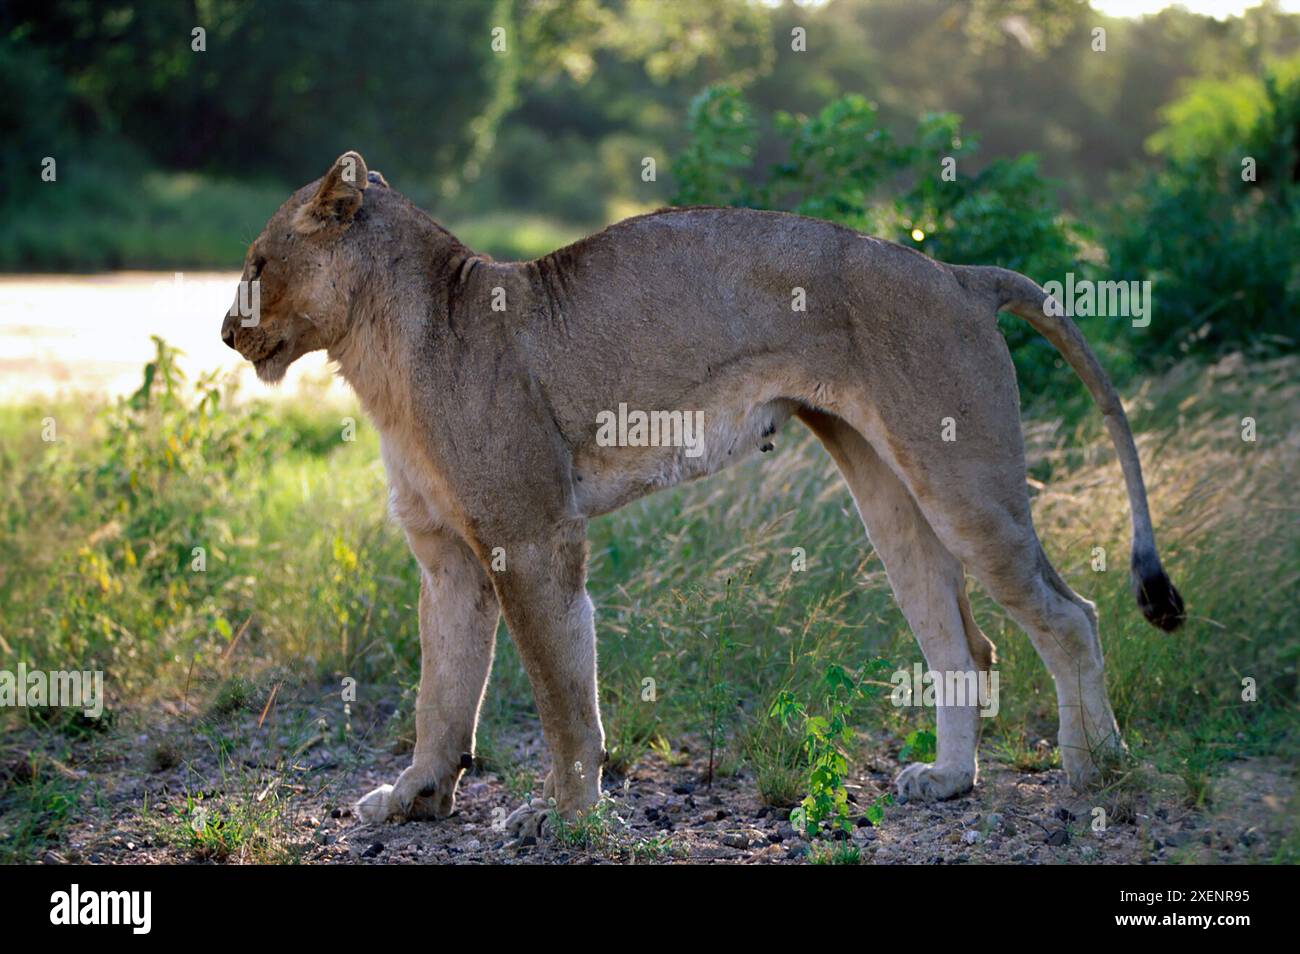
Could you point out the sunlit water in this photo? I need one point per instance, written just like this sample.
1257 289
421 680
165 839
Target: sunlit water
90 334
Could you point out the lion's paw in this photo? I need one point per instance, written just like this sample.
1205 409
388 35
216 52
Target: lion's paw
528 821
923 782
375 807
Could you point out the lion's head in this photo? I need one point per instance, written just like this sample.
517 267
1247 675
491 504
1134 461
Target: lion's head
299 274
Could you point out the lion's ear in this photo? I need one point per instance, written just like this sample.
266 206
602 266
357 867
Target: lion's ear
339 196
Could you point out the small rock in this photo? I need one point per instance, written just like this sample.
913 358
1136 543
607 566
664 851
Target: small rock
1058 837
739 840
374 851
971 837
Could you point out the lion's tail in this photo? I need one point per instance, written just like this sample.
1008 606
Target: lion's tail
1160 602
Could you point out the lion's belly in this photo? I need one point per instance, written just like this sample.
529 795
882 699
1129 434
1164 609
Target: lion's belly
635 452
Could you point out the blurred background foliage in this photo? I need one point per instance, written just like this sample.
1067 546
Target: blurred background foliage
1124 163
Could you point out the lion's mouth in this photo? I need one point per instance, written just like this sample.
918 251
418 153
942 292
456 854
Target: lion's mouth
271 355
271 366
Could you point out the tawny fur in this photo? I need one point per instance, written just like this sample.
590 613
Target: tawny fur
489 421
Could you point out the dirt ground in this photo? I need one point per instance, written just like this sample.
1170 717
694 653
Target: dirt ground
160 792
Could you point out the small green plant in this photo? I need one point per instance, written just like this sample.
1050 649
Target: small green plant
919 746
208 834
825 740
658 848
592 830
876 810
240 829
836 853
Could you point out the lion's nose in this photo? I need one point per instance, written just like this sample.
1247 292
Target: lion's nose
228 336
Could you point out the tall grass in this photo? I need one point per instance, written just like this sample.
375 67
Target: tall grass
696 589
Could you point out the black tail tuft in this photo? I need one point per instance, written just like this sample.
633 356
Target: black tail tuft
1159 601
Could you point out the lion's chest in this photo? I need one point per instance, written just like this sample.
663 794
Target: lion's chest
419 497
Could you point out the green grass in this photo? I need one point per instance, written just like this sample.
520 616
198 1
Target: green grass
97 535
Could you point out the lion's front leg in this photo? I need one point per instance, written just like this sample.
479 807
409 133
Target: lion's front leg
544 597
458 620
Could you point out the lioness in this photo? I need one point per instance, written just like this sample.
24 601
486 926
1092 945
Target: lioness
488 382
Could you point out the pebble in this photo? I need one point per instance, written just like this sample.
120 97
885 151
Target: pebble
971 837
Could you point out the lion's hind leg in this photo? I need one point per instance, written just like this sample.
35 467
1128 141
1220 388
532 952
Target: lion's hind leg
929 585
974 495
